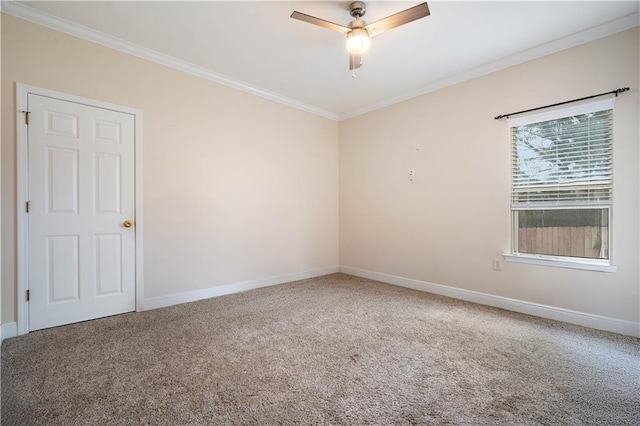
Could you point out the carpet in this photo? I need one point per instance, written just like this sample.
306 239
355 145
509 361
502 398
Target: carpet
330 350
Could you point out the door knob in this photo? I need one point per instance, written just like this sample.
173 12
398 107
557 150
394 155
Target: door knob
126 224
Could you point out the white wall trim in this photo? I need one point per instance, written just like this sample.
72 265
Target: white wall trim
8 330
192 296
592 34
22 188
559 262
22 11
138 216
599 322
22 194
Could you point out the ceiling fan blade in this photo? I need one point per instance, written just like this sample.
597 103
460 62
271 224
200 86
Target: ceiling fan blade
355 61
320 22
400 18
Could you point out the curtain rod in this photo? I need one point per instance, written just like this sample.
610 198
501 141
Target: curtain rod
624 89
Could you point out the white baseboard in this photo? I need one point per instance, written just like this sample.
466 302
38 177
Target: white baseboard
614 325
192 296
599 322
8 329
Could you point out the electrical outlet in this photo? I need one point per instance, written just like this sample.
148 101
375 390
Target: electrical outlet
497 264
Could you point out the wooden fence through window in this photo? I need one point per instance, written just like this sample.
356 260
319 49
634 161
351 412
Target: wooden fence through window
575 241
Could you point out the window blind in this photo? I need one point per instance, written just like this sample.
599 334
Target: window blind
563 162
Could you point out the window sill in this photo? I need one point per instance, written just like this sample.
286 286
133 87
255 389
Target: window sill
561 262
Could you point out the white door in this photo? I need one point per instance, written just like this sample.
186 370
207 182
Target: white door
81 212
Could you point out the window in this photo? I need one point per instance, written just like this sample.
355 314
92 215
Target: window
562 184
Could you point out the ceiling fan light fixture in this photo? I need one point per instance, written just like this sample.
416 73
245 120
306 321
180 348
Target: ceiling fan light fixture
358 41
358 32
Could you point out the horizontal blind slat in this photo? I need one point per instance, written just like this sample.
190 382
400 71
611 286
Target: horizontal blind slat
563 162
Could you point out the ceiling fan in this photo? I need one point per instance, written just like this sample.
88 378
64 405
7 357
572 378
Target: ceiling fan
358 31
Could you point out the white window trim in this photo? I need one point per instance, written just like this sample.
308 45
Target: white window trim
562 113
562 262
600 265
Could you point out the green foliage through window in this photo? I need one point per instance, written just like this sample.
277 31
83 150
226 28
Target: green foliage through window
565 217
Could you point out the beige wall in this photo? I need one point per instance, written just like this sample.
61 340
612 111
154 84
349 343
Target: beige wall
448 225
0 174
239 188
236 187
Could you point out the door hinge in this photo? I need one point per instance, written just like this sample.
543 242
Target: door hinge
28 206
26 117
28 295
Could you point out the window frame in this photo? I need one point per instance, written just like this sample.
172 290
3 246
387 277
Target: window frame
602 265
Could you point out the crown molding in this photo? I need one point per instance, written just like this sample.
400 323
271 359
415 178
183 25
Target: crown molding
592 34
19 10
30 14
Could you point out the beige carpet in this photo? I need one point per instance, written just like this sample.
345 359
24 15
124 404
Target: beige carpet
331 350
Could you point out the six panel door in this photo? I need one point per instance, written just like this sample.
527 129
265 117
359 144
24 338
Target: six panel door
81 192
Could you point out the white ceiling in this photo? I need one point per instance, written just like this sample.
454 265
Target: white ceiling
256 45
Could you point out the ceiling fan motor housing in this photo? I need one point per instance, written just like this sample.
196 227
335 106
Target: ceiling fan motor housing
358 32
357 23
357 9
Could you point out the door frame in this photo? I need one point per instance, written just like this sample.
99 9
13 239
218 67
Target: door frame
22 189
